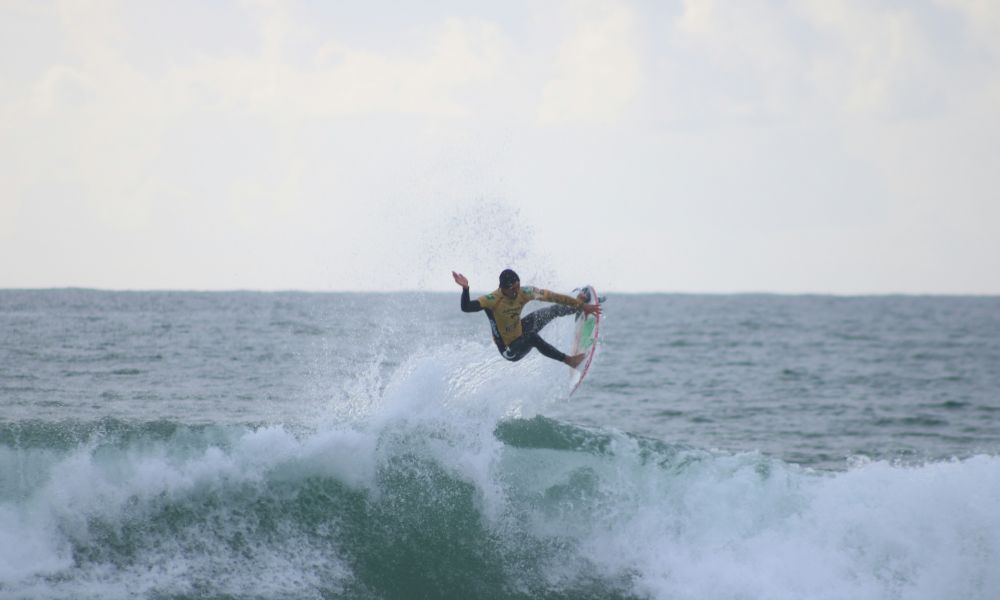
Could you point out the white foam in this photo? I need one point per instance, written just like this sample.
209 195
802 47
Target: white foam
745 527
697 525
114 485
720 526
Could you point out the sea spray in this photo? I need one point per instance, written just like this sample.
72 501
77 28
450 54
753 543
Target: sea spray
436 469
545 509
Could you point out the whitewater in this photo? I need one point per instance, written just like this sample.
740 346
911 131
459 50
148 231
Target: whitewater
286 445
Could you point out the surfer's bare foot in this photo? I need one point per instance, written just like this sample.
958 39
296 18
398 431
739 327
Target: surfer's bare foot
575 360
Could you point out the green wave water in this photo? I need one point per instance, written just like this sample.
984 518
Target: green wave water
537 509
257 446
180 511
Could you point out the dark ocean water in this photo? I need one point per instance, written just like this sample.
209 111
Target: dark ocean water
287 445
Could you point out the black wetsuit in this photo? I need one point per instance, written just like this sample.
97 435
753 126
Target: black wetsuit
517 348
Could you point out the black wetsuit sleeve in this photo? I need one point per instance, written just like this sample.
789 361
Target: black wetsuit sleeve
469 305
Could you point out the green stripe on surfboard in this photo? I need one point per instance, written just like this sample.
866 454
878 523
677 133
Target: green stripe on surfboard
587 334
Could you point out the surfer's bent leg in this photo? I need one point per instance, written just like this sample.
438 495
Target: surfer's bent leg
520 348
545 347
534 322
529 339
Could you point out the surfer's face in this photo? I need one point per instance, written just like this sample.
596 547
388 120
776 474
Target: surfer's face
512 290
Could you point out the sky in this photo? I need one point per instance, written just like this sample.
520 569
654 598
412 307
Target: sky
808 146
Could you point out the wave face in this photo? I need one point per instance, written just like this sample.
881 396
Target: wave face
431 508
251 446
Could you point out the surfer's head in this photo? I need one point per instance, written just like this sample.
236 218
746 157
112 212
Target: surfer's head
510 283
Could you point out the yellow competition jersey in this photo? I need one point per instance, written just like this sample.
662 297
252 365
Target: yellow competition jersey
507 311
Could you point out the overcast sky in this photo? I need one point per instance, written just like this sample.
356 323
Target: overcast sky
842 146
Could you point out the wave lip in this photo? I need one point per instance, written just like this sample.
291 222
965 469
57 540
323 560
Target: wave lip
424 506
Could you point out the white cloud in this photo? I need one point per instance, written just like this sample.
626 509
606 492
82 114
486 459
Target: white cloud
295 145
597 70
813 59
743 49
983 19
342 81
106 123
214 157
982 22
875 58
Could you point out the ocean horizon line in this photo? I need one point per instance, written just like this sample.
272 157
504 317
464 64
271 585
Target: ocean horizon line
629 292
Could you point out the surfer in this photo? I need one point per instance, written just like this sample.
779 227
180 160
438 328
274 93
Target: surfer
514 336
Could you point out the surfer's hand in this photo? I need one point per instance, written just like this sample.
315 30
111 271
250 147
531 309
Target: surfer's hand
460 279
591 309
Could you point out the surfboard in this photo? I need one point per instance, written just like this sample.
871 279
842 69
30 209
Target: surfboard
585 338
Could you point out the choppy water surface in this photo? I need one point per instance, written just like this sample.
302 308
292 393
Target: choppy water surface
258 445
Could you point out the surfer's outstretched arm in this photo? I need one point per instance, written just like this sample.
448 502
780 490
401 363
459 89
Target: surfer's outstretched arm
577 302
467 304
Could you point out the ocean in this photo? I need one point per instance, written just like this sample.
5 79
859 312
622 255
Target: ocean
375 446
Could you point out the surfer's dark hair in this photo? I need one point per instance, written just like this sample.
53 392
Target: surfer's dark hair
508 278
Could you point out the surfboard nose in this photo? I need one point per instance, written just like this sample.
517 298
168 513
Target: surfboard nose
585 292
